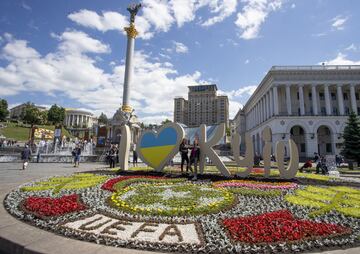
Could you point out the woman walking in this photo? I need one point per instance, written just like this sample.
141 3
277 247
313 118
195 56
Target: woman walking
195 157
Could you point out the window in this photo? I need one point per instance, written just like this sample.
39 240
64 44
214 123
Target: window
346 96
322 97
357 95
302 148
335 111
347 111
323 111
310 96
328 148
298 97
333 96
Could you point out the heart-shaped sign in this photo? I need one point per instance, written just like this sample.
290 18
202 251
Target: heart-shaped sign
156 149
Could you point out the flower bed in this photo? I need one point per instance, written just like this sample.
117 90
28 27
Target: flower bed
48 207
256 184
172 199
279 226
172 214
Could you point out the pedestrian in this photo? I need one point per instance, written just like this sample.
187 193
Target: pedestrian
76 153
194 158
116 154
25 156
306 165
135 156
112 156
183 149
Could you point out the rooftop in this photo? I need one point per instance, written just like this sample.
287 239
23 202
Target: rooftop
315 67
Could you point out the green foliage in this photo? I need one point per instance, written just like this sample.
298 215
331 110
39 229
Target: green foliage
122 184
76 181
103 119
31 114
255 192
342 199
171 199
56 114
351 148
3 109
166 121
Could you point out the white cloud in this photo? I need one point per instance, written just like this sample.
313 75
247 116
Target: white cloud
223 9
352 47
341 59
253 15
184 11
338 22
79 42
158 13
156 16
72 73
293 6
180 47
238 98
108 21
247 61
18 50
26 6
234 107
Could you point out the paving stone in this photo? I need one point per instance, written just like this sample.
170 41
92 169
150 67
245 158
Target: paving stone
60 245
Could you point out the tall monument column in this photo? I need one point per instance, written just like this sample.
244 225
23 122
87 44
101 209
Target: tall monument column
131 34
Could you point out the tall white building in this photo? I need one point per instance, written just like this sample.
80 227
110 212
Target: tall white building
310 104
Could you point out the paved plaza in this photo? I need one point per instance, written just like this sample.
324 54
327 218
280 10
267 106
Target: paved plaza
19 237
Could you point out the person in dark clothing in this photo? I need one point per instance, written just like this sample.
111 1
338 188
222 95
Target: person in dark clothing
184 148
194 158
112 156
76 153
135 156
321 165
25 156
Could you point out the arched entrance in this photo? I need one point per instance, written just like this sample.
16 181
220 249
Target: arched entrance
324 140
297 134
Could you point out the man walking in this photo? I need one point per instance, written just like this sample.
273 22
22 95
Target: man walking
25 156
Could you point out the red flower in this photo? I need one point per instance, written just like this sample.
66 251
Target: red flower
47 207
109 185
279 226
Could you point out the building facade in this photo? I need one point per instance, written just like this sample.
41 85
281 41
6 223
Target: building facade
203 106
76 118
15 112
309 104
80 123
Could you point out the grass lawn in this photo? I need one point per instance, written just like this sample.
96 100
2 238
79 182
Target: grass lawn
21 133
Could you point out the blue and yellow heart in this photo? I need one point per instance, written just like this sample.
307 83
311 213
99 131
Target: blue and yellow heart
155 149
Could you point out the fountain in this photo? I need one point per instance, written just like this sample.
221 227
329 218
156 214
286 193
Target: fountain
55 151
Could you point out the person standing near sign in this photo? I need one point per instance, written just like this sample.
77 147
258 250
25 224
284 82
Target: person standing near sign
25 156
184 155
135 156
195 157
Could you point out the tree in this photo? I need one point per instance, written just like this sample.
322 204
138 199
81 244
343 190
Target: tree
31 115
166 121
56 114
103 119
351 148
3 109
44 117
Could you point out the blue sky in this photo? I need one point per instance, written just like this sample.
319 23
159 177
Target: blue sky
72 52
